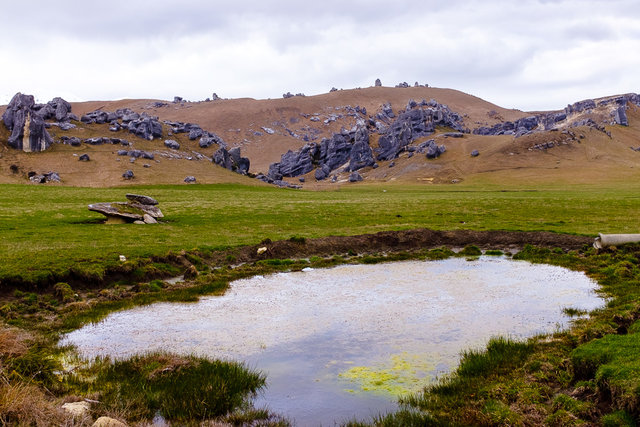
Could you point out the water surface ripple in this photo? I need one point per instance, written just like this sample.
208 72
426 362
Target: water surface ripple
343 342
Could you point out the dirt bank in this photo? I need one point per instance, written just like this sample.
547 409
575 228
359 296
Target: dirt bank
407 240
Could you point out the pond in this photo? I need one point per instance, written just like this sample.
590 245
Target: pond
345 342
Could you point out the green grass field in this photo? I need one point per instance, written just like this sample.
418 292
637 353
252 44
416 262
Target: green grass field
49 229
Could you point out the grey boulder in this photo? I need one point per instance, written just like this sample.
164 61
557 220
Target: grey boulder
131 211
173 144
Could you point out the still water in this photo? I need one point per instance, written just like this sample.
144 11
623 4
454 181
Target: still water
344 342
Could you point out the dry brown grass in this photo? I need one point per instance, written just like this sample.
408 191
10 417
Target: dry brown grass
27 405
502 159
13 342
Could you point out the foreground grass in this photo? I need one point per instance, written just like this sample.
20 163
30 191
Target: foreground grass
48 233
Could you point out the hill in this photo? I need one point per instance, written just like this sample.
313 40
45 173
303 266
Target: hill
581 144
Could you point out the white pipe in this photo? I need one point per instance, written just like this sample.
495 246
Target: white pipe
604 240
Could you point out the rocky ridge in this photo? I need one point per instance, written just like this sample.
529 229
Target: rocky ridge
352 150
609 111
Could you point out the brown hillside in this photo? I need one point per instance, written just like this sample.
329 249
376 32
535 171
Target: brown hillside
237 120
583 156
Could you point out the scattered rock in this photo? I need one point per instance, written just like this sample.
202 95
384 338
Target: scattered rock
355 177
287 95
173 144
128 174
44 178
84 158
148 219
108 422
475 153
77 409
190 179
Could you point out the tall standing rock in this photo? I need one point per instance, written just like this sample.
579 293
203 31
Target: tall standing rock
361 153
28 132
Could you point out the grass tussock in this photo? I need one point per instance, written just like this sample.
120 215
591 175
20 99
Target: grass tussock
180 388
500 354
23 404
14 342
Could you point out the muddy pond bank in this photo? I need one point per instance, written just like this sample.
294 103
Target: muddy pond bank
408 240
295 248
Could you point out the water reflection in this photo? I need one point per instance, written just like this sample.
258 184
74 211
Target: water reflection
345 341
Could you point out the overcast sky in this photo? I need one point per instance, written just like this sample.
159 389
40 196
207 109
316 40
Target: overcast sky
525 54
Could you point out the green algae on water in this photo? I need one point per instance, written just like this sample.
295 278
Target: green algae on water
402 374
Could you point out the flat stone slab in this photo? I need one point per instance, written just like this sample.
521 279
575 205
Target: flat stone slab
143 200
121 212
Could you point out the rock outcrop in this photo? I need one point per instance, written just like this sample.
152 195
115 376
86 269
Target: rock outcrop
620 116
44 177
352 150
232 160
417 121
581 113
27 127
136 209
345 147
142 125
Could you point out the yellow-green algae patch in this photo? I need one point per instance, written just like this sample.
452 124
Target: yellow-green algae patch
402 374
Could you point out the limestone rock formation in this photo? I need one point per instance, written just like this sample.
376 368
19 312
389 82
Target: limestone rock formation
352 149
142 125
28 131
332 153
231 160
419 120
57 109
620 116
171 143
355 177
44 178
136 209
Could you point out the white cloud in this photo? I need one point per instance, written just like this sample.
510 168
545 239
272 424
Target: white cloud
531 54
